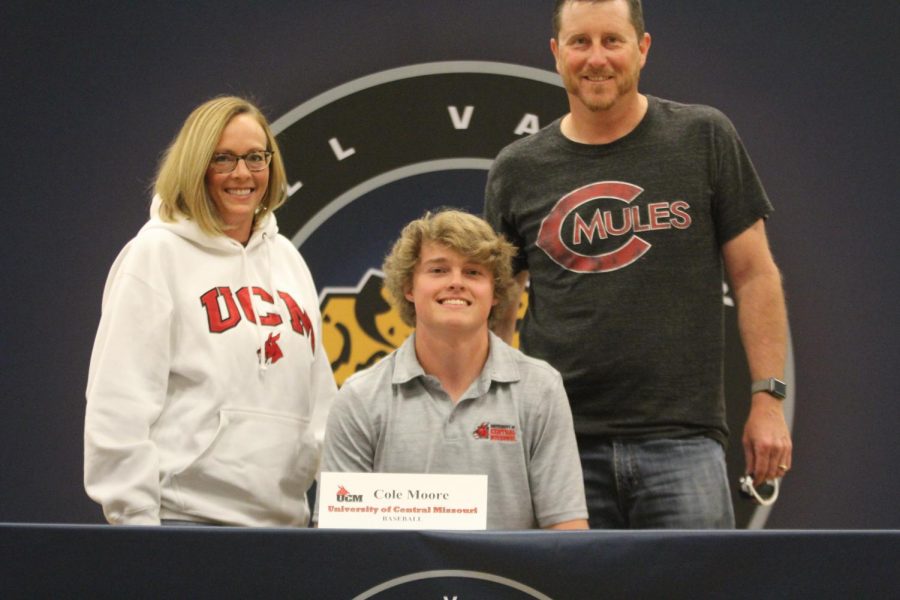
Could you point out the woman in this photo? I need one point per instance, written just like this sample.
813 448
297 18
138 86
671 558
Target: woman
209 384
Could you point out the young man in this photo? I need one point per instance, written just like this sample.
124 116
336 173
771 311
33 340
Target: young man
431 405
625 211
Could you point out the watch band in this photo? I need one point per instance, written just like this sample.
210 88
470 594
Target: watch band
773 386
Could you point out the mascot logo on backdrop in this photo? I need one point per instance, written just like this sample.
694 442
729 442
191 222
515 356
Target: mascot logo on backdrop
359 326
366 157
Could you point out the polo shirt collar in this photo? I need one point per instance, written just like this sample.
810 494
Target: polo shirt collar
501 365
406 365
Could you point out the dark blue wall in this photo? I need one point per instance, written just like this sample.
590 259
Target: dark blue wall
92 92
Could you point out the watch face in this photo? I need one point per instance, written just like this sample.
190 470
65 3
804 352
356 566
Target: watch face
778 388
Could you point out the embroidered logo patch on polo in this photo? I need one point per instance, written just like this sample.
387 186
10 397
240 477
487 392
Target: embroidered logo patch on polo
495 433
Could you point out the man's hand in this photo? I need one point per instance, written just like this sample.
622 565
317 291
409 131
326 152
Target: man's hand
767 442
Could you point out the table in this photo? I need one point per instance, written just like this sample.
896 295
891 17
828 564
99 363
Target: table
100 561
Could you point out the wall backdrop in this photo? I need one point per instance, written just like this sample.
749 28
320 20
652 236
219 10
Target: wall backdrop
91 95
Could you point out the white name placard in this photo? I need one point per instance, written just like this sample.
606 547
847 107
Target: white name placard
402 501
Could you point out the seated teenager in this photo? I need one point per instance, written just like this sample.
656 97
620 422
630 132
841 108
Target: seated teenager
454 398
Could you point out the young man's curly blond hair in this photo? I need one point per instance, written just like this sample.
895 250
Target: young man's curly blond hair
460 231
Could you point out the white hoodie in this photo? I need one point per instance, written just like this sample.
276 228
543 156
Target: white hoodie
196 409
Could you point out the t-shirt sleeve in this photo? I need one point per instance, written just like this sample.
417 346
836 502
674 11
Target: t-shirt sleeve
498 195
739 199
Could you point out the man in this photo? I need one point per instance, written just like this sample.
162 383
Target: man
454 398
625 211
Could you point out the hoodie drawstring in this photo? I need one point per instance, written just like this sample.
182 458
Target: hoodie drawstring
267 241
245 277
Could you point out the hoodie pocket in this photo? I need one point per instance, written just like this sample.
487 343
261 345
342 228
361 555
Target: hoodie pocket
255 471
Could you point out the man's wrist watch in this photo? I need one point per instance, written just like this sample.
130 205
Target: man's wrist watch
773 386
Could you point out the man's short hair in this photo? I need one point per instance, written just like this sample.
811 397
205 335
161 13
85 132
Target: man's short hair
460 231
635 9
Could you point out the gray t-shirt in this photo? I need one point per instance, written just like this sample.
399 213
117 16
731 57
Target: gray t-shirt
623 245
512 424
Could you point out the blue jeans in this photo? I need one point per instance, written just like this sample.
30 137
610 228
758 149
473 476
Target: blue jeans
656 484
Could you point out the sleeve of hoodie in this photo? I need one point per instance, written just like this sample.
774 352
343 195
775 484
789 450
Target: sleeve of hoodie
324 388
126 389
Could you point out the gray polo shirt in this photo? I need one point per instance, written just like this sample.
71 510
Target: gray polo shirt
513 424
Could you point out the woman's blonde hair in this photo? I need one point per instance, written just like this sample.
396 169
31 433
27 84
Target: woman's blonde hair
462 232
181 179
